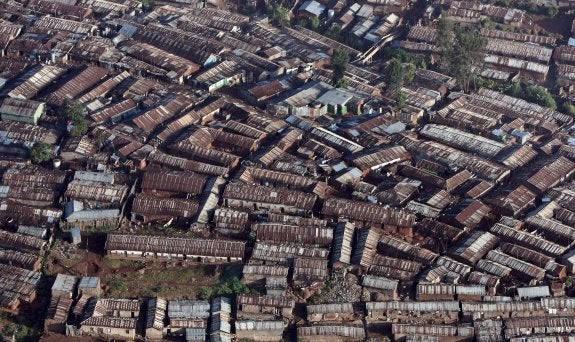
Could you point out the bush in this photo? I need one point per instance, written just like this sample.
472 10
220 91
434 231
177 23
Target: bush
568 108
40 152
400 99
225 287
532 93
334 32
279 15
117 285
205 292
75 113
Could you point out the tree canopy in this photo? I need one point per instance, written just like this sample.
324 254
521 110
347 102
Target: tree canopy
394 75
461 51
339 61
397 74
75 113
40 152
400 99
224 287
279 15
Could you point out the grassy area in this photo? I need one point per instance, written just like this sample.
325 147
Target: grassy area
119 263
171 282
177 275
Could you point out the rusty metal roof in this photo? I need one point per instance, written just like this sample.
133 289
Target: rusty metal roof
153 206
95 191
77 85
474 247
187 246
174 181
263 194
311 235
367 212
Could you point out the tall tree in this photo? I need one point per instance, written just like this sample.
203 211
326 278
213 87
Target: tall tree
279 15
394 75
409 72
339 61
461 51
75 113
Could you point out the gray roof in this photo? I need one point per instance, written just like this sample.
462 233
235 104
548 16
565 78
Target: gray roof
188 309
222 304
74 210
220 322
195 334
89 282
379 282
259 325
533 291
75 232
220 337
94 176
313 7
430 306
335 97
64 282
38 232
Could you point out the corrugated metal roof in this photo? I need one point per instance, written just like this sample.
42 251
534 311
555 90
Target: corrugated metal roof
188 309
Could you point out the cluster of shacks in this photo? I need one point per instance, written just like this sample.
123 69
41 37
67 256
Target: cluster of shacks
451 216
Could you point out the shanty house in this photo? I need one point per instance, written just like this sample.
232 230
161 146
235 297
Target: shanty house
96 194
260 330
20 110
64 286
112 318
155 318
322 313
176 249
381 288
57 314
184 314
89 286
277 200
148 208
311 8
330 333
258 307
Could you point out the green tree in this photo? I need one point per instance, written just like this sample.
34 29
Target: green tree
515 89
279 15
444 37
568 108
540 96
314 23
148 3
400 99
532 93
551 11
488 23
409 72
461 51
394 75
40 152
205 292
75 113
80 128
341 83
339 61
334 32
225 287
